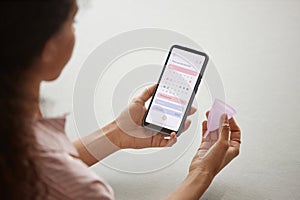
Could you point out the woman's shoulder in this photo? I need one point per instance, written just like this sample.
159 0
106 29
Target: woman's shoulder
65 174
51 137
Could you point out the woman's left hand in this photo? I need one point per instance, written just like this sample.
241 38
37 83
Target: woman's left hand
131 134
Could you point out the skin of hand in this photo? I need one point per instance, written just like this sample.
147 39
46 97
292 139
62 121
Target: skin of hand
131 134
214 153
218 148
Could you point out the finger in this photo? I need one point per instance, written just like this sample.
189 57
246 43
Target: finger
235 134
192 110
147 93
236 144
211 137
207 113
204 127
187 125
156 140
172 140
205 134
165 139
233 125
224 128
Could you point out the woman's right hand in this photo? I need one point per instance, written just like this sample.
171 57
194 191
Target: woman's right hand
218 148
214 153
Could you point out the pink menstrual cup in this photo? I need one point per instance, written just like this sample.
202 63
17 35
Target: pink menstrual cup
218 109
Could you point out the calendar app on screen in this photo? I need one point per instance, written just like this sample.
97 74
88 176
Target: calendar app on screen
175 89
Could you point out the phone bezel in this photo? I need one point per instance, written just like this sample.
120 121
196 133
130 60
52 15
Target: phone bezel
167 131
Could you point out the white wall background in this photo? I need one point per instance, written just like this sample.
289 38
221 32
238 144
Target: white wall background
255 46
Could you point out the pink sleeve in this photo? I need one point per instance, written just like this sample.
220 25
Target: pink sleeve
69 178
65 175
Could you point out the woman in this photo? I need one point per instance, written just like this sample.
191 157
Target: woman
37 161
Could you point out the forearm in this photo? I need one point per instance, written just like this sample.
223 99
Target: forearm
97 145
193 187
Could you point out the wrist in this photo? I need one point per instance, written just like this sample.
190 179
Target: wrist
117 136
99 144
201 176
112 132
198 181
193 186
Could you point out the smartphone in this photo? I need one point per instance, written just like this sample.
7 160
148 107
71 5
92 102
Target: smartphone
175 91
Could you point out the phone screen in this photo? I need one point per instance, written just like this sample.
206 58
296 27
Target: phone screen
178 83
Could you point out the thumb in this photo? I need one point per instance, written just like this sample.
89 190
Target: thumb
147 93
224 127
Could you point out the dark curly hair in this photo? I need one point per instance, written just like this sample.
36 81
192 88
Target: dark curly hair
25 27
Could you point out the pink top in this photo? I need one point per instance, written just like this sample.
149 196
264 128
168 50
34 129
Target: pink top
66 176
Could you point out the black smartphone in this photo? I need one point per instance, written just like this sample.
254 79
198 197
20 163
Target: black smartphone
176 89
